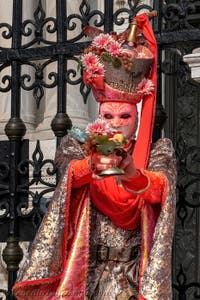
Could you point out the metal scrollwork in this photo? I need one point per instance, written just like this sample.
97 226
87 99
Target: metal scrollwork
119 20
193 161
4 170
37 169
7 32
40 22
176 15
132 10
38 163
6 79
84 90
72 73
4 209
183 286
35 208
189 179
135 8
3 294
185 192
85 16
38 84
4 190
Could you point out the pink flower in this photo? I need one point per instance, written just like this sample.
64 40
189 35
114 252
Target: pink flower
92 65
89 59
100 70
145 87
98 127
102 40
114 48
95 70
105 41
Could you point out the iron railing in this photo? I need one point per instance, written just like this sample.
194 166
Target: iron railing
177 32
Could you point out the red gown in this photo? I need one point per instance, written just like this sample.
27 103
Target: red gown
60 260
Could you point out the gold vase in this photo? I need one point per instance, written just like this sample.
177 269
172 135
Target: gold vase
112 171
115 170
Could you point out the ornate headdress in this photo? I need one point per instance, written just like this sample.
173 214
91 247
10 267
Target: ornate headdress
122 68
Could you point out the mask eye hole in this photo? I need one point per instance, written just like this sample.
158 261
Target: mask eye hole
108 116
125 116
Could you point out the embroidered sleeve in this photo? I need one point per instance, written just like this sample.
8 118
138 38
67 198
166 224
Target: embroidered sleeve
162 159
148 184
82 173
158 182
137 185
161 170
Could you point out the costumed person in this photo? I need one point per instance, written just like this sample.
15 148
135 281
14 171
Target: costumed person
110 237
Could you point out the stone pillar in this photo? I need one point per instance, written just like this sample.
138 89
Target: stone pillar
193 60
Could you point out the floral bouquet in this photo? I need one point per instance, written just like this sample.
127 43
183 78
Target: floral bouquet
105 140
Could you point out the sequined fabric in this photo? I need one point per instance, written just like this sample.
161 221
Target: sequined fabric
69 149
156 282
111 279
45 258
46 251
108 279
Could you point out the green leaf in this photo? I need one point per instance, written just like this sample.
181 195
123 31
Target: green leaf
102 139
116 62
107 147
106 56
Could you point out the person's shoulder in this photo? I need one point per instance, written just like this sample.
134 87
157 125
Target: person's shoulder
75 137
163 144
69 149
67 141
162 158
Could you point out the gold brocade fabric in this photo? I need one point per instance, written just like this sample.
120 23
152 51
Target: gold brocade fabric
45 257
156 283
109 279
112 278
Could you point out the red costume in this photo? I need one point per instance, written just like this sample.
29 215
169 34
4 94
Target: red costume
58 263
107 239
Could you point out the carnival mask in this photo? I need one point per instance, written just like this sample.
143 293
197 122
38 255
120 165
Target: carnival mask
121 116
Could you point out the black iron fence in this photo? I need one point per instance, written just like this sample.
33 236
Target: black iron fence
177 32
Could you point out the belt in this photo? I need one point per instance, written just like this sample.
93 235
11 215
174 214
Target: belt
104 253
